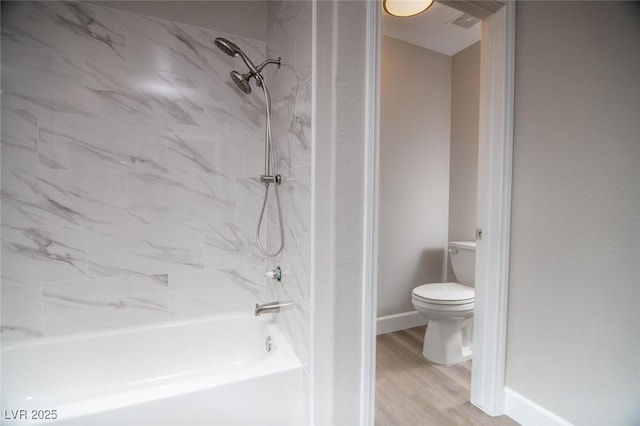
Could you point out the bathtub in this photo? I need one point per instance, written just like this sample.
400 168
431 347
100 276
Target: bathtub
215 371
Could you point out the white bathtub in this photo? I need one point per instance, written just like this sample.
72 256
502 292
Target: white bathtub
211 372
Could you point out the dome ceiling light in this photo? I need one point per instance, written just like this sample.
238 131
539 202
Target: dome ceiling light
406 8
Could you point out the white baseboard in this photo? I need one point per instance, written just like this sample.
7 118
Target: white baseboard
527 412
396 322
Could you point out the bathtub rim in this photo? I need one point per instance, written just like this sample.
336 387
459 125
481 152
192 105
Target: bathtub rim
84 335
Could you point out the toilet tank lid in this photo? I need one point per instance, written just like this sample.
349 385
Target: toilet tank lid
445 292
469 245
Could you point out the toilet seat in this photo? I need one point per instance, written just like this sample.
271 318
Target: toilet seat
444 294
443 311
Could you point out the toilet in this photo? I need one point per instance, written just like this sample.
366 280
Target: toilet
449 309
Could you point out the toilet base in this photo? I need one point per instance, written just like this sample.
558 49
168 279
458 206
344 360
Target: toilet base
448 342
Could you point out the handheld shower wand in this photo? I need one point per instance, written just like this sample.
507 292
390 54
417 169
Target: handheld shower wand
269 177
231 49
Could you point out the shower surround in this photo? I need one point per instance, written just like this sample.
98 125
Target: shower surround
129 171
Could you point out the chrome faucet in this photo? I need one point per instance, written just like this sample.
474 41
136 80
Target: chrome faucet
271 308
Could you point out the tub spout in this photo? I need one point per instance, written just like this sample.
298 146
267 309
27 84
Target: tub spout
271 308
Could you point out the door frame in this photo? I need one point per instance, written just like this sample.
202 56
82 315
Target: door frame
494 210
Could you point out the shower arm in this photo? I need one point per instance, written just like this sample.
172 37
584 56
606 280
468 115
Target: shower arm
277 62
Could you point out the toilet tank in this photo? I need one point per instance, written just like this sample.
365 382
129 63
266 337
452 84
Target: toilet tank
463 261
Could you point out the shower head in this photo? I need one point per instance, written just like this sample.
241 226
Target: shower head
226 46
241 80
231 49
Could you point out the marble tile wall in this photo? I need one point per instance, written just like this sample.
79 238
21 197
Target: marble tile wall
128 172
290 37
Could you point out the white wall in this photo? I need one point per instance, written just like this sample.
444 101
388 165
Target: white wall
574 293
414 171
463 175
245 18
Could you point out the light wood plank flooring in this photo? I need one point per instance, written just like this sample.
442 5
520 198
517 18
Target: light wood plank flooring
412 392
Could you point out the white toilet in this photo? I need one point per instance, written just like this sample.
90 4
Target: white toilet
449 309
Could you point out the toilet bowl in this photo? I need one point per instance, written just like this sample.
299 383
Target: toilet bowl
448 308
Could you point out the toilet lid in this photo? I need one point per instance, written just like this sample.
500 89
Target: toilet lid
445 293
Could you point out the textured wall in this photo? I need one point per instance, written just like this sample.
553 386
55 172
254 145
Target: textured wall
574 289
128 172
339 207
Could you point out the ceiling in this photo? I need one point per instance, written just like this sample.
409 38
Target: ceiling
432 30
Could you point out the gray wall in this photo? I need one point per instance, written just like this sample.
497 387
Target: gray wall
414 171
573 344
463 174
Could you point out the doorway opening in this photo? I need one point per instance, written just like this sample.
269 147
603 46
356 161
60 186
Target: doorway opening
493 194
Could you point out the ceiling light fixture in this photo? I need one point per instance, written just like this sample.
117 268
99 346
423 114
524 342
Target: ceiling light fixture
406 8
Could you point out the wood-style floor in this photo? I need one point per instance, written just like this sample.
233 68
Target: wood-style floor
412 392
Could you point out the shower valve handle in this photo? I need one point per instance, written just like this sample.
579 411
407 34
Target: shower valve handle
276 274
